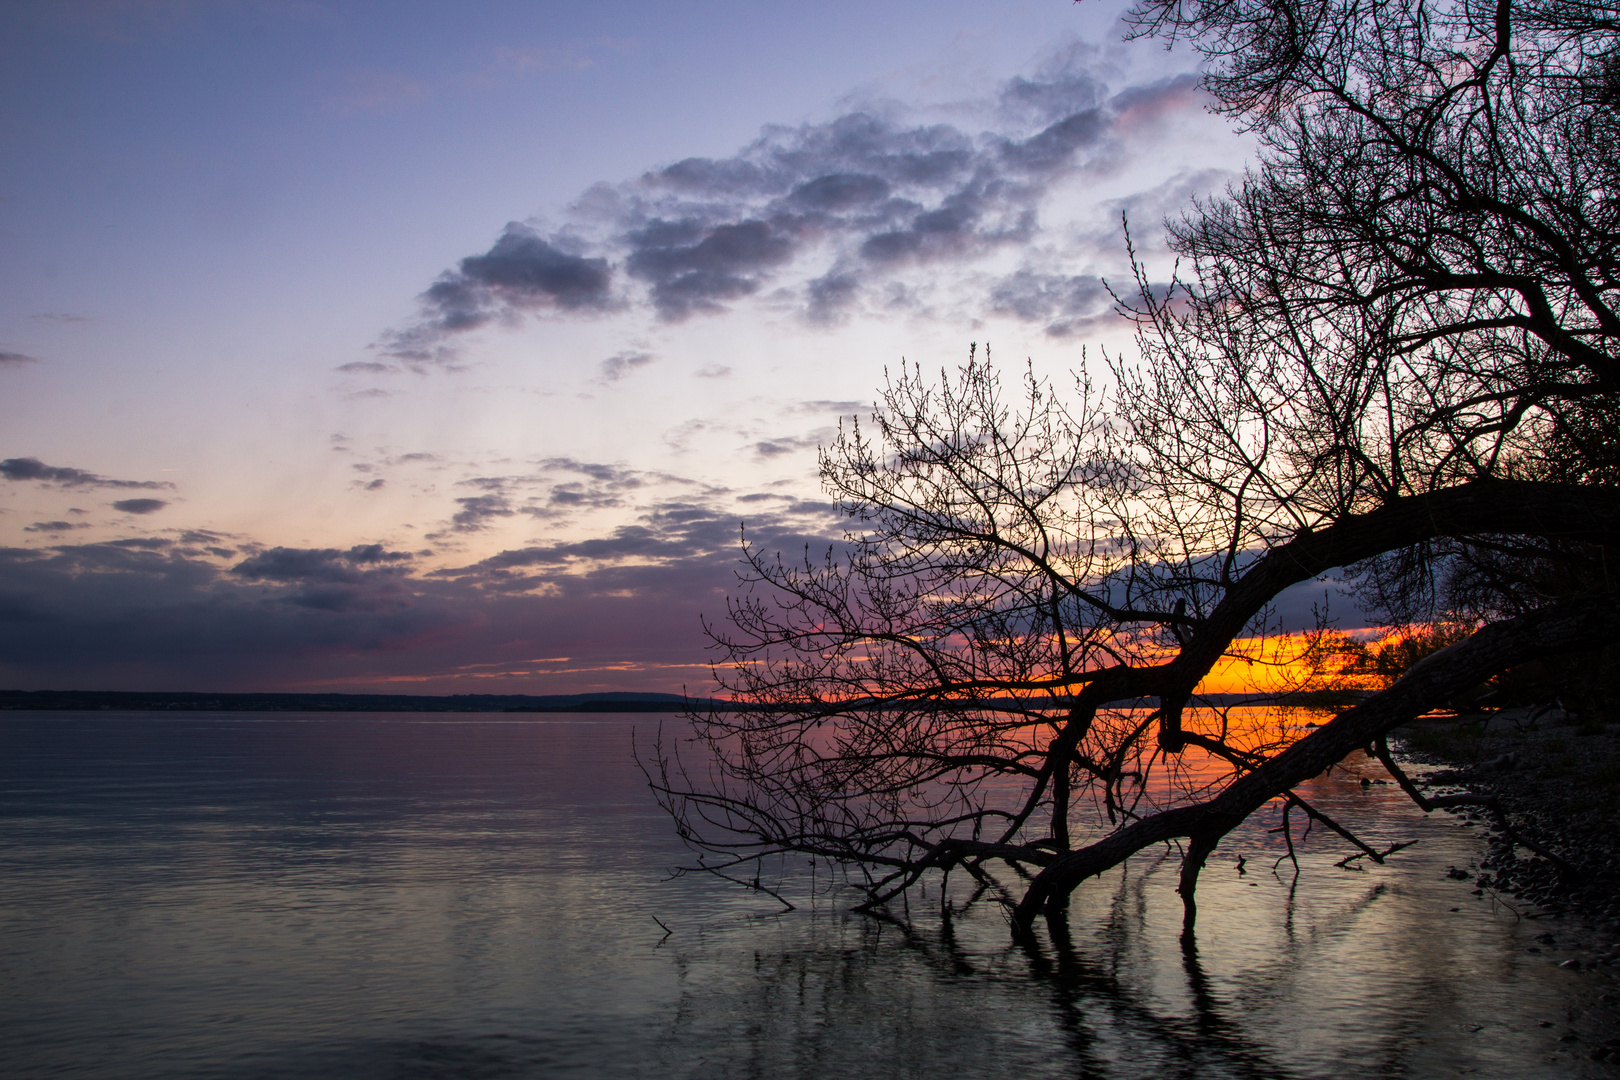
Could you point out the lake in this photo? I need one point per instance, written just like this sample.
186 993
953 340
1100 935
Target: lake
398 896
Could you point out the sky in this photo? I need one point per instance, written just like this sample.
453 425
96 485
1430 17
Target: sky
445 348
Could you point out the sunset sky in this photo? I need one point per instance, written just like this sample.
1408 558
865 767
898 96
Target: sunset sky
441 348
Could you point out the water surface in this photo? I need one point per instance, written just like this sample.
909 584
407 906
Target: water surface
392 896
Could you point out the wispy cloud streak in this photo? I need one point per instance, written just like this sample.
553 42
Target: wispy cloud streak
33 469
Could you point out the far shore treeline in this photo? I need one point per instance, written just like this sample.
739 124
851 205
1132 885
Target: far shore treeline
611 702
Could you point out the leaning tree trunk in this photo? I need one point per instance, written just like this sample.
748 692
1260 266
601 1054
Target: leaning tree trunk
1562 627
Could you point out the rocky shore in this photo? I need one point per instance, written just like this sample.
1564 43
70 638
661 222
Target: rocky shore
1559 784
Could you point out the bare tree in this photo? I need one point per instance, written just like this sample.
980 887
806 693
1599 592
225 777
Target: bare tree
1403 304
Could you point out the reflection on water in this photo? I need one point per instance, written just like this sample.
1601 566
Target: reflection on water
241 895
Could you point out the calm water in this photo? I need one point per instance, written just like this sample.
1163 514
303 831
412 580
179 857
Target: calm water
250 895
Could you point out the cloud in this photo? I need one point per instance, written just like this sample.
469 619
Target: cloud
151 613
366 577
848 214
522 272
478 510
618 366
55 526
1064 84
693 265
319 564
837 408
139 506
1064 302
553 488
670 532
831 295
604 485
679 438
142 543
34 469
777 447
16 359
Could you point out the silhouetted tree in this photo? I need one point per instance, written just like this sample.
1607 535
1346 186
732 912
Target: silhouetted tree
1405 304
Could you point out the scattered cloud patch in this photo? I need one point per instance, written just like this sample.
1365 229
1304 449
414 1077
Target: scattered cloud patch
317 564
202 536
618 366
692 265
139 506
1066 303
477 511
792 444
522 272
141 543
366 577
848 215
55 526
823 405
832 295
679 438
16 359
555 487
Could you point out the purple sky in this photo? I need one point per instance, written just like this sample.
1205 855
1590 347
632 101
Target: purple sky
443 348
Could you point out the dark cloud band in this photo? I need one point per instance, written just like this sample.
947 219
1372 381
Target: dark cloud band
161 613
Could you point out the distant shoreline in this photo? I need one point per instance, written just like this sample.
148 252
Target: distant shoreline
155 701
614 701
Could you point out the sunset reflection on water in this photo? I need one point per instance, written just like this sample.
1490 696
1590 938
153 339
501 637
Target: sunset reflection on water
390 896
